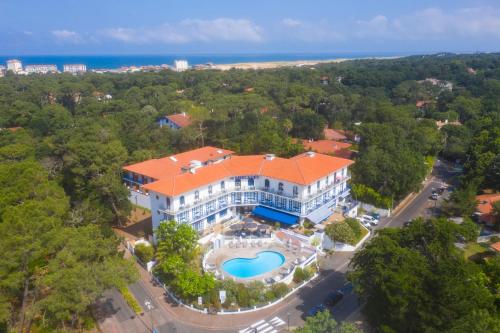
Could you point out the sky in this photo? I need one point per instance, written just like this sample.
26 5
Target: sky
85 27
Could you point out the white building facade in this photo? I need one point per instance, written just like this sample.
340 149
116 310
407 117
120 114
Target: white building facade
181 65
75 68
14 65
41 69
288 191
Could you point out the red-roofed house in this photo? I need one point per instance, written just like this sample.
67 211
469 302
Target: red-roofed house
495 246
328 147
209 185
484 208
176 121
336 135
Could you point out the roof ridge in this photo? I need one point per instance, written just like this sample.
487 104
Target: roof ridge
300 170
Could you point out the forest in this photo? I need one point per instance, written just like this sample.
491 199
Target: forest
64 139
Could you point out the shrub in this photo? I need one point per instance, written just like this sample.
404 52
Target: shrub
279 289
130 299
301 274
144 252
367 194
355 226
308 224
341 232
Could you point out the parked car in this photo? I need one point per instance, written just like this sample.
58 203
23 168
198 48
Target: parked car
375 215
434 196
441 190
369 219
334 297
315 309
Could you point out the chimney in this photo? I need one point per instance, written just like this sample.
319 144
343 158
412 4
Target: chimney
270 157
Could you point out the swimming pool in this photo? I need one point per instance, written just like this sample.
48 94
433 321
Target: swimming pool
264 262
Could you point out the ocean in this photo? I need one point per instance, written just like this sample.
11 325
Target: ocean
116 61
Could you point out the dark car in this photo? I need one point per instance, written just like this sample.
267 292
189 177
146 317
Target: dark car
315 309
334 297
407 224
375 215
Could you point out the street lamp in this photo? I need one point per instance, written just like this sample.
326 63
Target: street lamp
150 308
288 316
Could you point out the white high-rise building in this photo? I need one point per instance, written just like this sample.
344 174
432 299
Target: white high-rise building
41 69
14 65
2 70
75 68
181 65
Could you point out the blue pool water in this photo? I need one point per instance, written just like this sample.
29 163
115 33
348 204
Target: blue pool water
249 267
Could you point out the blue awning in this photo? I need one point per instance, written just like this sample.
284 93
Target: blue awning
275 215
319 215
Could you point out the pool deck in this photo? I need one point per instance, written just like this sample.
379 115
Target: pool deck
219 256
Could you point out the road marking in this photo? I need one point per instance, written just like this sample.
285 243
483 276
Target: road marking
263 326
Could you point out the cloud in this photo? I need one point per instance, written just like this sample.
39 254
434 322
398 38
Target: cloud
318 31
433 23
378 25
291 23
67 36
190 30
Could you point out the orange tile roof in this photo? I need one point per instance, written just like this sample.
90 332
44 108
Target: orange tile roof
325 146
172 165
496 246
302 169
331 134
180 119
485 206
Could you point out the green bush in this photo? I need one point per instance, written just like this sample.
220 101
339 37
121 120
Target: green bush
130 299
370 196
144 252
308 224
341 232
279 289
301 275
355 226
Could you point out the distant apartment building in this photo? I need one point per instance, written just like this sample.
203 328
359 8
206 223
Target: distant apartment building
14 65
176 121
41 69
74 68
181 65
2 71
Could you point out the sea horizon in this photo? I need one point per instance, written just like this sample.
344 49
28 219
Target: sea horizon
110 61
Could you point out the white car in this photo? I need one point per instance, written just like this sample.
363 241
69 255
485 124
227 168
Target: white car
369 220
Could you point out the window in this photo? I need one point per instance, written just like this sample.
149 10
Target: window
167 201
266 184
182 201
318 184
295 191
197 195
222 185
209 189
250 182
237 183
280 187
157 197
327 180
309 189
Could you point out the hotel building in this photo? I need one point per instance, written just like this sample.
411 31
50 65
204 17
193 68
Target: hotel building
210 185
75 68
181 65
14 65
41 69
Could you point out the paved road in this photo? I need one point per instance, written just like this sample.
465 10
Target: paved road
167 319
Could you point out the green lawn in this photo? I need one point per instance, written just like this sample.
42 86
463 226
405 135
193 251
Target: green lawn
474 248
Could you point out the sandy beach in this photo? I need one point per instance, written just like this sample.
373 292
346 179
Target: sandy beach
274 64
